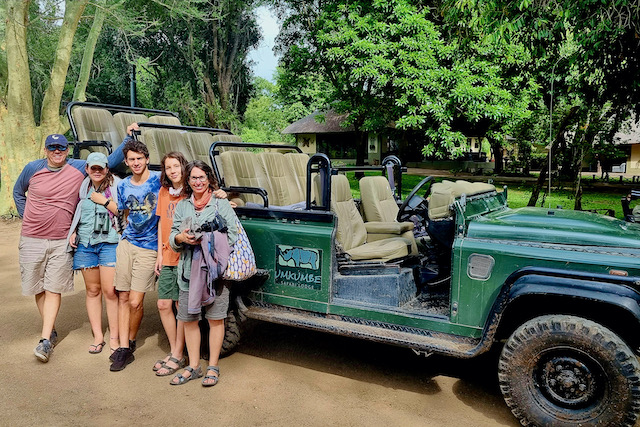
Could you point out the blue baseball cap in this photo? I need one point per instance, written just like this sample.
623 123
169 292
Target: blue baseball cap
56 139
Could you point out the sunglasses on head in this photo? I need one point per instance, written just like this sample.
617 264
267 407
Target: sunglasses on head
56 147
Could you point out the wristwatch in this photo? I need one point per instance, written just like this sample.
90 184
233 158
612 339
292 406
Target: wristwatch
106 203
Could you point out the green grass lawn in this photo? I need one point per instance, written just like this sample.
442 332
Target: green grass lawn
518 195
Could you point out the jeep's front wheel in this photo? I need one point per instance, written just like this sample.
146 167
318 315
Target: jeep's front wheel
565 371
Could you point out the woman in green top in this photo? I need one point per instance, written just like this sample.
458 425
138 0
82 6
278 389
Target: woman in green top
200 207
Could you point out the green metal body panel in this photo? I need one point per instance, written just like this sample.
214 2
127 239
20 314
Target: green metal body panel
534 237
294 291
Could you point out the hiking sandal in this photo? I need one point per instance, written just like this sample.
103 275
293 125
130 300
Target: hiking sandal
169 370
160 362
195 373
214 378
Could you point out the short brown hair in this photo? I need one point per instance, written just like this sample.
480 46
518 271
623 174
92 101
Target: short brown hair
135 146
213 182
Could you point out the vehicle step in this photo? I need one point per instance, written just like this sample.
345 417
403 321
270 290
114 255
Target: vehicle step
418 339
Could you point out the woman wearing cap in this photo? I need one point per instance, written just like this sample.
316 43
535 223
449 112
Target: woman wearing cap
94 237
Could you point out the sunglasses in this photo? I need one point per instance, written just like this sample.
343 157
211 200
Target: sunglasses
56 147
97 168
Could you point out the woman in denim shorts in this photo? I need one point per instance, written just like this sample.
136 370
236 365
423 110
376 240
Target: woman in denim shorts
94 237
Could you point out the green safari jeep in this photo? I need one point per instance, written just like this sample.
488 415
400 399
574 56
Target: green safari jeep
450 270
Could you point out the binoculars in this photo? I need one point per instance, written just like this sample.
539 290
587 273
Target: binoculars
101 223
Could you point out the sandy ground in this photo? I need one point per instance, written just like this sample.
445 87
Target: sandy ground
279 376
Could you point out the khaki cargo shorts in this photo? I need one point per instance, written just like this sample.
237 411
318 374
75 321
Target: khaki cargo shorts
135 268
45 265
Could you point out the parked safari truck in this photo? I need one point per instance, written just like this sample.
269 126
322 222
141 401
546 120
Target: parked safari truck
450 270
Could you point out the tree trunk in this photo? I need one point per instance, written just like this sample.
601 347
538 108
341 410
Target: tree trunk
535 191
50 118
577 182
496 147
22 140
79 93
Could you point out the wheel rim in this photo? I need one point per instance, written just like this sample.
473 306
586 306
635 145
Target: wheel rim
570 378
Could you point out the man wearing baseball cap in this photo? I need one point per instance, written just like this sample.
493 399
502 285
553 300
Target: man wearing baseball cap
46 194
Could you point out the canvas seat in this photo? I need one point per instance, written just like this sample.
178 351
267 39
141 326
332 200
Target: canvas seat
381 210
95 124
298 163
282 179
352 234
162 141
218 138
165 120
123 120
243 169
199 144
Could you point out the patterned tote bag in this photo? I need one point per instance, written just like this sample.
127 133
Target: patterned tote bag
242 261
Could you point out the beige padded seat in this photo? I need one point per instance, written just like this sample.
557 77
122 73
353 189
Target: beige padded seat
298 163
282 180
352 234
381 210
162 141
243 169
123 120
165 120
223 138
199 144
95 124
444 193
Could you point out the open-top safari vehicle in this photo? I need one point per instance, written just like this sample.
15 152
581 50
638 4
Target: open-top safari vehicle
451 269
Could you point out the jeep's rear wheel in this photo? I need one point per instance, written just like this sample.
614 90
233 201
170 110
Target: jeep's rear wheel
232 333
566 370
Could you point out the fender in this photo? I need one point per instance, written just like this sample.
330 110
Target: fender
619 291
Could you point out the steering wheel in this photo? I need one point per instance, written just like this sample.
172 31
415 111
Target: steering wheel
414 200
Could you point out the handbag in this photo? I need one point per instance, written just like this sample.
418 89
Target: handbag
242 261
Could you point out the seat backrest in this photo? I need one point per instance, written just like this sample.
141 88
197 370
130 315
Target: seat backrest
122 120
377 199
162 141
282 180
244 169
165 120
225 138
199 144
298 163
351 231
95 124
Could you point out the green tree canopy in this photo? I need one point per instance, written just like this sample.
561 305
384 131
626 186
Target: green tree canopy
390 61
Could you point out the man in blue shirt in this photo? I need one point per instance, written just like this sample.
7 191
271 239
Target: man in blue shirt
137 251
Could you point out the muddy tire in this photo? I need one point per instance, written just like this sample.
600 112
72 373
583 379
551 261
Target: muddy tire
232 334
567 371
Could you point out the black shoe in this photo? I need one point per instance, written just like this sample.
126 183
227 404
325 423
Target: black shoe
132 345
121 358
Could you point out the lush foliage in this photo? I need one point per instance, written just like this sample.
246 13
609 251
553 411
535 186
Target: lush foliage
390 62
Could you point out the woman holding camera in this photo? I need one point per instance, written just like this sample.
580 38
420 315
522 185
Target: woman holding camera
200 213
94 237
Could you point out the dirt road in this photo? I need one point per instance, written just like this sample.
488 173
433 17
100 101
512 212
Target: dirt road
279 376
